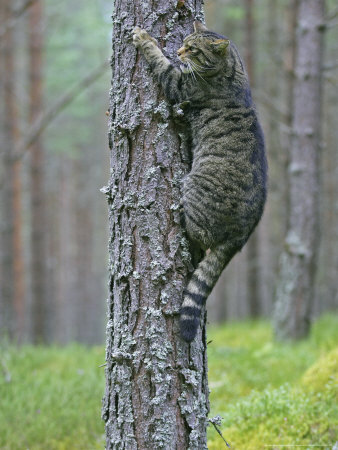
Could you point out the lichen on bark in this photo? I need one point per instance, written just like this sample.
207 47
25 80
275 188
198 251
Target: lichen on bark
296 284
156 384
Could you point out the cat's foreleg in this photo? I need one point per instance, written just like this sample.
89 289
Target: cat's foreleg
166 74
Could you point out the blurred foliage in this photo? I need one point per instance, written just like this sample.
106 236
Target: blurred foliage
280 417
323 373
77 41
268 393
52 398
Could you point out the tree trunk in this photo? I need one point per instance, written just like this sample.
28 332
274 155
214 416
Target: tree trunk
156 384
84 252
295 289
38 228
12 272
252 248
66 267
289 68
271 227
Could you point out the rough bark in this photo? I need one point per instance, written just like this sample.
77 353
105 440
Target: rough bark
156 384
38 228
295 289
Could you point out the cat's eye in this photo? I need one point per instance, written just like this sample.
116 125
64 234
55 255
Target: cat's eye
194 50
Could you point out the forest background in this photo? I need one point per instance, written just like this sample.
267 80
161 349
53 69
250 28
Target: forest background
53 258
54 83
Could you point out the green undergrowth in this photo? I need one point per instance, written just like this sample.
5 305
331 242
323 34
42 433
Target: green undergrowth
270 395
274 395
50 398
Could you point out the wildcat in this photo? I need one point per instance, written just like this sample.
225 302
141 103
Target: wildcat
225 191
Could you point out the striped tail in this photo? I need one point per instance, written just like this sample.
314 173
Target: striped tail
199 287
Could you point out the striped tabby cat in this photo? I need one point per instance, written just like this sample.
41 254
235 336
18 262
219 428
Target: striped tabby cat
225 192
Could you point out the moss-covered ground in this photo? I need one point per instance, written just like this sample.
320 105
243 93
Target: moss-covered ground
271 395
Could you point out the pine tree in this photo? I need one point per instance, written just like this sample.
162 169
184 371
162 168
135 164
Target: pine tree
296 284
156 384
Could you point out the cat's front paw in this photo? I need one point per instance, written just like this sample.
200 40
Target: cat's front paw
141 36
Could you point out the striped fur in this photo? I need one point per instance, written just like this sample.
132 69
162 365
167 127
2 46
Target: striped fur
225 191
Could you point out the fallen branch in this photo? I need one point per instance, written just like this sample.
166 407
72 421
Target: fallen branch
217 422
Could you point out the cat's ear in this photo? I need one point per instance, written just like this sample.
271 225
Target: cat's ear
220 46
198 26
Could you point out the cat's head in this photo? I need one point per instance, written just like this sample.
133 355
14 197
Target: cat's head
207 53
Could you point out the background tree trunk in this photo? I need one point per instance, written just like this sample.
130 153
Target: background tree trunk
253 245
290 68
295 290
38 222
218 301
272 227
12 270
156 384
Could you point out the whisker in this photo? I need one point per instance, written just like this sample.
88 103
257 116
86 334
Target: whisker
191 72
201 77
197 72
202 67
194 63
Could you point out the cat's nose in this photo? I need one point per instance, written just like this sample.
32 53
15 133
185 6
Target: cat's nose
180 51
